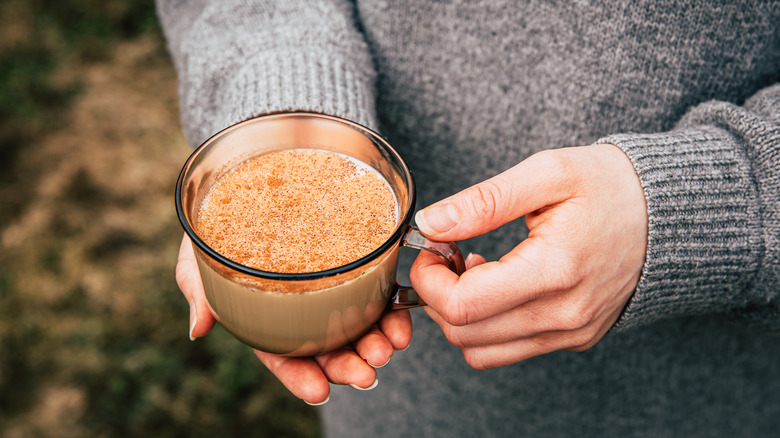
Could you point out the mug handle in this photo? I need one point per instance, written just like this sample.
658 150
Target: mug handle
405 296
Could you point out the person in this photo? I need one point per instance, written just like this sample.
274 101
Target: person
612 166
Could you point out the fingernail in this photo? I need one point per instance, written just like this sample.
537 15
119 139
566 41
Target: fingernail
469 257
193 320
318 404
437 218
379 366
373 385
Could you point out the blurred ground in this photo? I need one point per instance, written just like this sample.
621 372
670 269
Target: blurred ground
93 330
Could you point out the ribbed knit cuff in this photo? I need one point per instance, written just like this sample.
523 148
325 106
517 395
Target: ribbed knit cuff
703 223
292 80
284 80
237 59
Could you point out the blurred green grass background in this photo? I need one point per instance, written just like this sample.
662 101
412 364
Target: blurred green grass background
93 329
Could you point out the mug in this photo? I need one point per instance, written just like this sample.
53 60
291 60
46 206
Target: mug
303 314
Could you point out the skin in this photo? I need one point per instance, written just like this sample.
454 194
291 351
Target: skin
562 288
307 378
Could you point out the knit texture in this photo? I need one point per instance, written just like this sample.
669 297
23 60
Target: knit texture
241 59
711 189
465 90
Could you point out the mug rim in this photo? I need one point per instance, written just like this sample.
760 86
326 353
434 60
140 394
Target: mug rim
400 229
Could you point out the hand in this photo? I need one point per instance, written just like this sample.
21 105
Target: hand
306 377
564 286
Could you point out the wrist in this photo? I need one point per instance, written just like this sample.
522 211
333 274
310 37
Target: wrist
700 223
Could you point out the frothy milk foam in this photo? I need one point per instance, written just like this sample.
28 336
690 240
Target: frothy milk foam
293 211
298 210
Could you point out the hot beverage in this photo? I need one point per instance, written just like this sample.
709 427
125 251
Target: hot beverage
296 221
298 210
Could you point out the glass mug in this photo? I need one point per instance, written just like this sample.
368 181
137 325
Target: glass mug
303 314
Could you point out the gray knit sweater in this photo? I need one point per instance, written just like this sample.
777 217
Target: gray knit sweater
688 89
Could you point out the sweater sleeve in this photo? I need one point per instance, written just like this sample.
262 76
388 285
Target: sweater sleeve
713 196
238 59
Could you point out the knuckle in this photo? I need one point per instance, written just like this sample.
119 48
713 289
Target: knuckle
556 164
454 336
566 275
583 340
476 359
484 200
456 312
573 318
581 348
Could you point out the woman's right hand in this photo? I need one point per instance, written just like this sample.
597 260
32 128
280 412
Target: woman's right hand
308 378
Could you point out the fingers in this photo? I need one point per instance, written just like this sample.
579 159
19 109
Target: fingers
542 326
489 306
309 378
573 317
357 367
517 323
538 181
302 376
487 289
188 279
374 348
393 332
473 260
564 286
397 328
345 367
497 355
557 313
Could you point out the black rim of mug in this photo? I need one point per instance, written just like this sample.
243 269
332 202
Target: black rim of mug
398 233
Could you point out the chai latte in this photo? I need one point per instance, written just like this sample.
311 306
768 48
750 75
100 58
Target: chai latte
298 210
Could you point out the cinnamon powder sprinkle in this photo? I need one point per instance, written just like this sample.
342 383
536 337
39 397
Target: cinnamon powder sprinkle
298 210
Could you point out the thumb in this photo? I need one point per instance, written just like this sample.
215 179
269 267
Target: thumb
541 180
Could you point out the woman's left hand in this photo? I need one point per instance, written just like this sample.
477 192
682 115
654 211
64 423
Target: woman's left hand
565 285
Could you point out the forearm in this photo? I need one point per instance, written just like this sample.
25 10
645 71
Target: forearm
238 59
713 189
